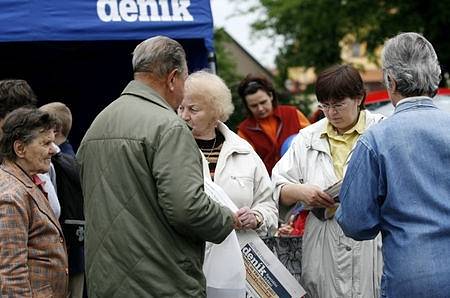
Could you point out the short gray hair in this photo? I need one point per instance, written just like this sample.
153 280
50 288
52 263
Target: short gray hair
213 90
159 55
409 58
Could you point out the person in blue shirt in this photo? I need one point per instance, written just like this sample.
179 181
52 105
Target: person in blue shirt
398 180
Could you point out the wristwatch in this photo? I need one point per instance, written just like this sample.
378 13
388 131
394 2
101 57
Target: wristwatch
259 219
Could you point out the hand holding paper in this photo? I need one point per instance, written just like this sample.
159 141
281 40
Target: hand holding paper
327 213
313 196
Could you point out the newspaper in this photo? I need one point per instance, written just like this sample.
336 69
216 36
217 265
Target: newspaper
321 213
333 190
327 213
266 275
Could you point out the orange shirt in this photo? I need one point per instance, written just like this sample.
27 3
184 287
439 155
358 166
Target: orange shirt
269 125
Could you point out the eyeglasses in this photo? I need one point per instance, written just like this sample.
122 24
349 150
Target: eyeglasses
337 107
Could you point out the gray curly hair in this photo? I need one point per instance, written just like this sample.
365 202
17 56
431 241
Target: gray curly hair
409 59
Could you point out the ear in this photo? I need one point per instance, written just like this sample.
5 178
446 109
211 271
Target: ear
19 149
360 100
391 84
171 79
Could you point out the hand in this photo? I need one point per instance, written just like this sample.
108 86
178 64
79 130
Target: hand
248 218
313 196
285 230
237 224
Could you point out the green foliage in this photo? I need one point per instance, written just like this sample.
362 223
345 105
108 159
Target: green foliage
226 69
302 101
312 29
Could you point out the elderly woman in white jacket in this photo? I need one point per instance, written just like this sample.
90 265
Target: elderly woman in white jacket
233 164
332 264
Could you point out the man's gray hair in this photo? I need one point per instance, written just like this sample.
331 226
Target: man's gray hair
213 90
159 55
409 59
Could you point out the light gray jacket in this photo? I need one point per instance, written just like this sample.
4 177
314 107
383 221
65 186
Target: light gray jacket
333 265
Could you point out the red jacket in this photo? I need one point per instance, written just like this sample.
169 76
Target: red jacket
288 124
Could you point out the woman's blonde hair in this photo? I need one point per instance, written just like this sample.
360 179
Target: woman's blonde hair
213 90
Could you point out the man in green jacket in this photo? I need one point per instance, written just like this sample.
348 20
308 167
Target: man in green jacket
147 216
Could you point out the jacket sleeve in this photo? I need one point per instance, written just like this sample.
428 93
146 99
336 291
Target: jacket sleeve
177 170
263 200
14 278
288 169
359 210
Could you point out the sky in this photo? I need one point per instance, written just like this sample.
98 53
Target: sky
238 26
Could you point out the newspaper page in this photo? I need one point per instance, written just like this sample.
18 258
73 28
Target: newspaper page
266 275
333 192
321 213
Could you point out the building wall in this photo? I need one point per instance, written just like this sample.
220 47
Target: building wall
245 63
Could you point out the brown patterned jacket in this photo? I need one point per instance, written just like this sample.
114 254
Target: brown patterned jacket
33 258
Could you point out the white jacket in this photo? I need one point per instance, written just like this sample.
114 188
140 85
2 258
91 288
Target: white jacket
223 266
244 178
333 265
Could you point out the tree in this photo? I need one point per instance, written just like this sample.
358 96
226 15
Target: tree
313 29
226 69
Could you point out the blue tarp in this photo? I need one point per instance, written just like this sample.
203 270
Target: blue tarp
79 51
91 20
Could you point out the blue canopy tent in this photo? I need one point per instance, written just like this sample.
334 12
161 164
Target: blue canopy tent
79 51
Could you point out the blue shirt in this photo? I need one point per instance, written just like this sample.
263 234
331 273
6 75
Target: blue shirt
398 183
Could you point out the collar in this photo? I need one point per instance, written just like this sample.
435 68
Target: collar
410 99
13 169
141 90
232 141
416 101
359 127
36 195
57 149
37 181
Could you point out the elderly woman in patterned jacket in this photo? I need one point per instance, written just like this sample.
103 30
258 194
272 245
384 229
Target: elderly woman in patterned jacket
33 260
233 163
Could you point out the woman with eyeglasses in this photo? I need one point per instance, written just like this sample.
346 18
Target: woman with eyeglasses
332 264
268 124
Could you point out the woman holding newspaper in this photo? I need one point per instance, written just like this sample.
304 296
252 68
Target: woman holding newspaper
233 164
332 264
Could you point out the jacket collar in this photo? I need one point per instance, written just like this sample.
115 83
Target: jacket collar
414 103
14 170
139 89
36 194
359 127
232 143
313 133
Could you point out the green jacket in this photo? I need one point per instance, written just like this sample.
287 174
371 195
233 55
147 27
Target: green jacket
147 216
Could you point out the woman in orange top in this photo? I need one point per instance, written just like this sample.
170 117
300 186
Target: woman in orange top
268 124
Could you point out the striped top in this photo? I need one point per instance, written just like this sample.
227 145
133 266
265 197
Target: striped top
211 150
